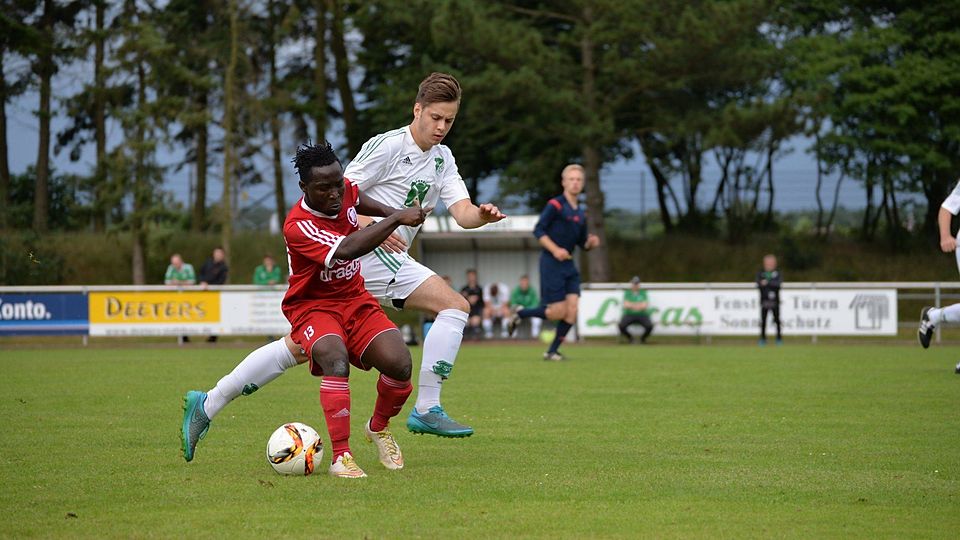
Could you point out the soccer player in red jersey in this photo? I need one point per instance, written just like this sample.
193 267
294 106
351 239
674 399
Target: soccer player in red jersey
333 318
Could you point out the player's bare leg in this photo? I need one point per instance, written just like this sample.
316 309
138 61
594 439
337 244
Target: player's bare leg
564 310
440 349
390 356
256 370
330 362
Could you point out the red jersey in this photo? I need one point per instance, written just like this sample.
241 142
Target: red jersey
312 238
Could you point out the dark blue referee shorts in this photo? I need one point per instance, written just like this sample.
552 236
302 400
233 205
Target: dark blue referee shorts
557 279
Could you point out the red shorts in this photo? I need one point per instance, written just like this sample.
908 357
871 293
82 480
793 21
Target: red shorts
356 322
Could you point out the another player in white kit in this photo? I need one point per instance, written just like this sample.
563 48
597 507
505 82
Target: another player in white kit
396 168
930 317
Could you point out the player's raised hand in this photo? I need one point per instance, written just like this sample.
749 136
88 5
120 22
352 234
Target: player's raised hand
948 244
592 241
490 213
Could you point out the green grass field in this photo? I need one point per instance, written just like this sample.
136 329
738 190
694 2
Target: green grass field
659 441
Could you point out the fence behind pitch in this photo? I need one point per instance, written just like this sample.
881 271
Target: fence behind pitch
701 309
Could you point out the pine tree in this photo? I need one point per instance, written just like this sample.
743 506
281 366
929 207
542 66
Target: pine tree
16 39
196 26
229 127
55 24
139 61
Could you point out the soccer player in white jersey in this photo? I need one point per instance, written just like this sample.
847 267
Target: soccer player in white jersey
930 317
396 168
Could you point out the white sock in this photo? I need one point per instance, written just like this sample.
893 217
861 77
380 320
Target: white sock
257 369
949 314
439 353
934 315
488 327
504 323
535 324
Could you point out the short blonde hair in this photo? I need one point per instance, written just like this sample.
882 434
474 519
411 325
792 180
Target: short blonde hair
572 167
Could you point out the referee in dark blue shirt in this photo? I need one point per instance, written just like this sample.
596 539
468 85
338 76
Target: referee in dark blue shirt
561 228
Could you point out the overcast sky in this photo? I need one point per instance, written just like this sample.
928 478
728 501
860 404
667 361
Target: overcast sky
794 174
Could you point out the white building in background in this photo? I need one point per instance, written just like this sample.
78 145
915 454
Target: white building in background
499 252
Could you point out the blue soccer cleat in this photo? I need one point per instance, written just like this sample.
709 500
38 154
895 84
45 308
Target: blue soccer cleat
436 422
195 422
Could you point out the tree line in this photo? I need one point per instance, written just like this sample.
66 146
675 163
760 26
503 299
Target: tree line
233 85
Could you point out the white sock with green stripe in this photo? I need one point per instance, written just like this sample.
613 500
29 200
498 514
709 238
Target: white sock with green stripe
257 369
440 350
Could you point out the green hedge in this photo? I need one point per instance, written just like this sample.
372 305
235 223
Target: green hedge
678 257
90 259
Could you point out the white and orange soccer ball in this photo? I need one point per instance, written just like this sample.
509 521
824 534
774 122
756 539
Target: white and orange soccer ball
294 449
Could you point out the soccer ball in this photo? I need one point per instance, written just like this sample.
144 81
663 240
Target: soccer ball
547 335
294 448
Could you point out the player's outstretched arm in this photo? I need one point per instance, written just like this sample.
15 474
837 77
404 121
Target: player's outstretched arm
372 207
471 216
368 206
366 239
393 244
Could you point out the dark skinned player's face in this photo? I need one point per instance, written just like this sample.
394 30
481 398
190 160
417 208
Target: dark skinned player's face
323 191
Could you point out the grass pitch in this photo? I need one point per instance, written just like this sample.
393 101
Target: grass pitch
658 441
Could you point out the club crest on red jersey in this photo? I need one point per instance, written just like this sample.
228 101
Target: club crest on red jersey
352 216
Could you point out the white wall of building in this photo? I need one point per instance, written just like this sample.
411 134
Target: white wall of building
504 266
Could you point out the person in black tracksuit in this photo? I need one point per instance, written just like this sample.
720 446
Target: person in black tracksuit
769 281
473 292
214 272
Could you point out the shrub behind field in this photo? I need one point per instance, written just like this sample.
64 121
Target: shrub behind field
678 257
91 259
94 259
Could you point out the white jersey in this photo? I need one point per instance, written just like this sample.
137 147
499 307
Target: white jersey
393 170
952 202
502 297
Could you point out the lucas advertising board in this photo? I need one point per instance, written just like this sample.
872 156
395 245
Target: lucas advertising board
736 312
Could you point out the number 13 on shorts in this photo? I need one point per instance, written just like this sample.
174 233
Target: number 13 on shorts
308 333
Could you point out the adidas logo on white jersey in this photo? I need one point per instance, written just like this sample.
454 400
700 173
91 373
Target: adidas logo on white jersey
406 161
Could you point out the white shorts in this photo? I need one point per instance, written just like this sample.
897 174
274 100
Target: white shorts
956 252
392 276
